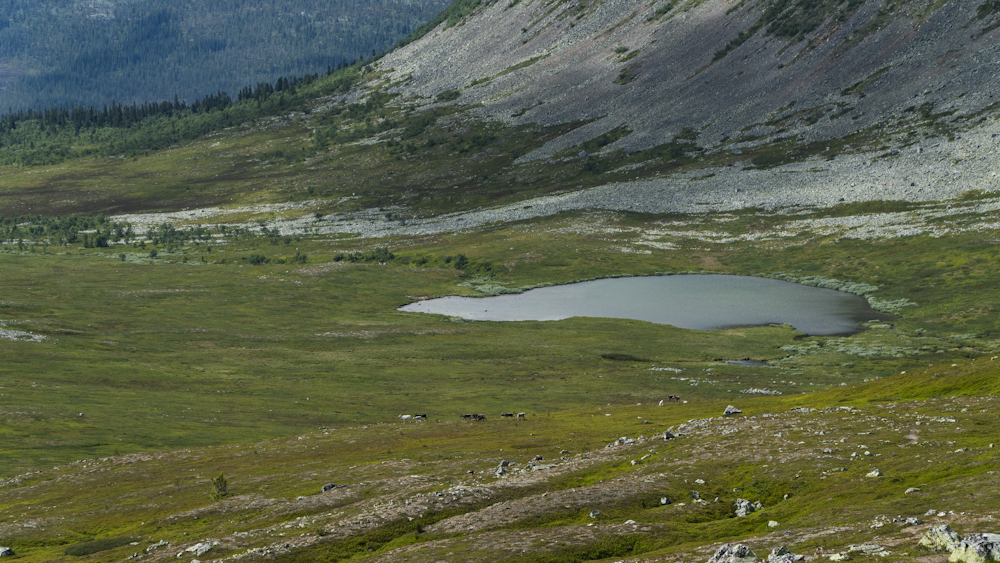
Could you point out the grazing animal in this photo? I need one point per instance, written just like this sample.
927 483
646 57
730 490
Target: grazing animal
479 417
506 415
468 416
673 397
520 416
405 416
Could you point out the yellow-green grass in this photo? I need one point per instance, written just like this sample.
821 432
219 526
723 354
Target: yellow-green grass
167 496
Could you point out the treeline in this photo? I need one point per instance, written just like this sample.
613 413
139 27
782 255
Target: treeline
119 115
31 137
57 53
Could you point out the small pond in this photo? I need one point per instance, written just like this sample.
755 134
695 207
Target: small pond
698 302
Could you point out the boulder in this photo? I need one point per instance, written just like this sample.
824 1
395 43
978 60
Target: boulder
911 490
737 553
731 410
842 556
977 548
200 548
6 552
940 538
594 513
743 507
664 500
782 555
874 473
773 524
668 435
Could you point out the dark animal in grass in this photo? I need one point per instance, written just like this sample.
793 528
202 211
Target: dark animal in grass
506 415
467 416
479 417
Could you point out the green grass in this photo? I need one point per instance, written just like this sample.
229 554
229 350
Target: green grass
159 354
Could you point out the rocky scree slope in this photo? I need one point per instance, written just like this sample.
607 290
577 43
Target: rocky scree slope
737 73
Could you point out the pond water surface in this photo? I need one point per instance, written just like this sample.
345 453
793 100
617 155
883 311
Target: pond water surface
698 302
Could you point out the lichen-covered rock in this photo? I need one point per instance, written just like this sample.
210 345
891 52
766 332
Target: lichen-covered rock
737 553
782 555
6 552
977 548
842 556
743 507
874 473
731 410
940 538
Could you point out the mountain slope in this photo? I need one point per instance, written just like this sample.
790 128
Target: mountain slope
737 73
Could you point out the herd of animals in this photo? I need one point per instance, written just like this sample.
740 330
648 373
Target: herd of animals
520 416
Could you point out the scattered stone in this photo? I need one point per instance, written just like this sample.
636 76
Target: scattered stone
563 452
668 435
157 545
623 441
538 458
634 462
940 538
500 471
699 481
772 524
911 490
594 513
868 549
731 410
913 521
842 556
977 548
737 553
695 494
743 507
629 522
874 473
331 486
664 500
6 552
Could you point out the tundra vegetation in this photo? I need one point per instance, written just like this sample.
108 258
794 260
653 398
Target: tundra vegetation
191 352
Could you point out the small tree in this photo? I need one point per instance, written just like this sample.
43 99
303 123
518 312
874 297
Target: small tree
153 253
221 487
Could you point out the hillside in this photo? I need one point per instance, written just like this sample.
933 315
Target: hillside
55 53
202 355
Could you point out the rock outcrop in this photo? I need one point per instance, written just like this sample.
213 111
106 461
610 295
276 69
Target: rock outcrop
736 553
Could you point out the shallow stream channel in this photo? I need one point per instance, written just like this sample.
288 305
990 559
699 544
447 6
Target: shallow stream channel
696 301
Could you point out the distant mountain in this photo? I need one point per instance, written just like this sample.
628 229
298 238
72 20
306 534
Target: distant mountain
92 52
